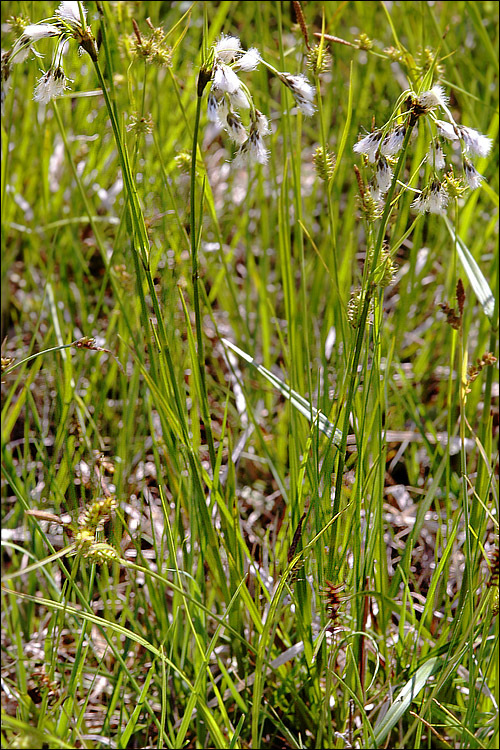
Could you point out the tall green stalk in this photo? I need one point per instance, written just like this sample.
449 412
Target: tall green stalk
360 334
202 80
140 254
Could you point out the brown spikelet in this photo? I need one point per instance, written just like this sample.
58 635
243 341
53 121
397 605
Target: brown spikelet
64 520
335 39
89 342
460 292
136 31
40 684
301 21
454 315
331 593
361 185
295 540
473 371
494 568
452 318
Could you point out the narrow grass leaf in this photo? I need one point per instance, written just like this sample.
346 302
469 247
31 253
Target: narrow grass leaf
404 699
132 722
299 402
474 273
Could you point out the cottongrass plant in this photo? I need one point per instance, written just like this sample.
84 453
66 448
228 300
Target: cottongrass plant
68 23
228 95
387 149
386 143
292 555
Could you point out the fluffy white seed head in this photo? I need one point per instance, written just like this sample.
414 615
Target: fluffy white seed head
69 11
252 150
447 130
262 123
433 199
475 142
420 203
235 128
36 31
302 91
438 199
50 86
239 99
369 145
393 141
249 60
227 48
433 98
258 151
435 155
212 107
472 176
225 79
31 33
383 175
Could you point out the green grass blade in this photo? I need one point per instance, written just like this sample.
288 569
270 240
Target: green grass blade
301 404
474 274
404 699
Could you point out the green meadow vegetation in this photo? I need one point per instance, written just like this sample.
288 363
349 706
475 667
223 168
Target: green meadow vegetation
249 375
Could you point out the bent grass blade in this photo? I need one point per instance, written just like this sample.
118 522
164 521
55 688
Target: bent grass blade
298 401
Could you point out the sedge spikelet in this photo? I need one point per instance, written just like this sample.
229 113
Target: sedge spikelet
324 163
494 568
355 309
333 601
293 547
319 59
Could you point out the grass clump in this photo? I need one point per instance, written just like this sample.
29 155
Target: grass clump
249 402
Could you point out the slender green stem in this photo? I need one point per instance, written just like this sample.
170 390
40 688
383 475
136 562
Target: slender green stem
138 217
196 293
333 232
34 356
141 256
354 362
